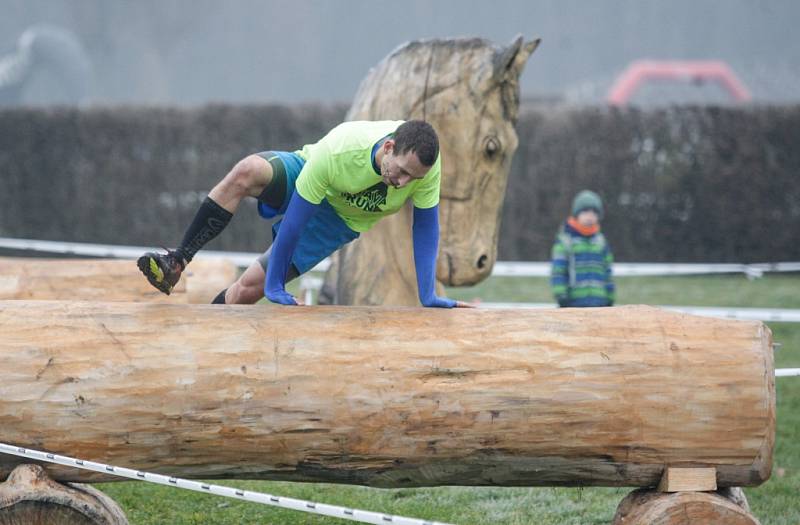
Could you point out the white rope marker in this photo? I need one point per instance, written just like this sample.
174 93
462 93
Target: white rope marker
324 509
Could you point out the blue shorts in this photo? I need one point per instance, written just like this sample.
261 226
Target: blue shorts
324 233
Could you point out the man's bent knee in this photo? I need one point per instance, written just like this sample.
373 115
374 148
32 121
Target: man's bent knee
250 175
240 293
249 288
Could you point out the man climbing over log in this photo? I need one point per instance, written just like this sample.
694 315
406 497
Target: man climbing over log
328 193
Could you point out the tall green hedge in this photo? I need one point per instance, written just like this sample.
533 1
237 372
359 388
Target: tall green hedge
136 175
689 184
682 184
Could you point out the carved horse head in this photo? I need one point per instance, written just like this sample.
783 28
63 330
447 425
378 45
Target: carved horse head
468 89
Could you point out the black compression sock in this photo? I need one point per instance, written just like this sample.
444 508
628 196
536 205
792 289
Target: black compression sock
209 221
220 298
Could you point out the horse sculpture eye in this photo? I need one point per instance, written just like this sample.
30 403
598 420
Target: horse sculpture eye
491 147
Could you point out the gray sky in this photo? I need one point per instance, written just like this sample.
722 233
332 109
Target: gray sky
198 51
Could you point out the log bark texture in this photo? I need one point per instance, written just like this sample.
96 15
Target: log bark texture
390 397
107 280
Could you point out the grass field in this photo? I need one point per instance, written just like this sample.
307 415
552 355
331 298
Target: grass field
777 502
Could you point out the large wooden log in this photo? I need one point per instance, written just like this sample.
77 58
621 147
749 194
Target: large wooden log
388 396
107 280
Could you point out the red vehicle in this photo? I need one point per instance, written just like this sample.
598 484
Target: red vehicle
641 72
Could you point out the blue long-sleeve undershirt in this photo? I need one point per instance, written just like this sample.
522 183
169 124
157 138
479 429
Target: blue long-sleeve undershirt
426 245
294 221
425 234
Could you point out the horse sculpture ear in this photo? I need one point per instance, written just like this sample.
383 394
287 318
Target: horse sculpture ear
509 62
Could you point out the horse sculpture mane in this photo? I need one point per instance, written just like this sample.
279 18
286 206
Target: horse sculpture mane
417 71
468 89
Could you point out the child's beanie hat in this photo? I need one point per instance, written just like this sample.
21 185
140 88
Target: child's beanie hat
587 200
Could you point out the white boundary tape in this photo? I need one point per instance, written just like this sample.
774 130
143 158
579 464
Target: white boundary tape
241 259
542 269
775 315
324 509
787 372
501 268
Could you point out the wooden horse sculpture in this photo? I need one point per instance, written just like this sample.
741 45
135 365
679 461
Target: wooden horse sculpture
469 90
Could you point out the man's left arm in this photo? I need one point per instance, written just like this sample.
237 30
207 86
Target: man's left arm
426 245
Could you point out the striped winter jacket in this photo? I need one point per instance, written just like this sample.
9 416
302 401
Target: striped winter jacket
581 269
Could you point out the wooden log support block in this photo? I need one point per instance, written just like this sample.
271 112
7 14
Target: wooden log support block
30 497
645 507
390 397
688 479
107 280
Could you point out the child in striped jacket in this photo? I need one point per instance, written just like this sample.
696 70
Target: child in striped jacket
581 259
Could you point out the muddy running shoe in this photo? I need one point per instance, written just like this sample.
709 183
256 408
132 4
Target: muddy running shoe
163 270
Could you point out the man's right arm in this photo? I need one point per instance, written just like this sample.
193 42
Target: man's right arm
310 188
294 222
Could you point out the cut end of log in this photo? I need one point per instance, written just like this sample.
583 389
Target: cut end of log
643 507
29 496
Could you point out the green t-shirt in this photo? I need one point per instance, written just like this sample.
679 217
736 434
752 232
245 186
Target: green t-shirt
339 168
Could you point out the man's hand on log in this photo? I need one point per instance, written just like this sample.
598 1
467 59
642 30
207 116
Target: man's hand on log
284 297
